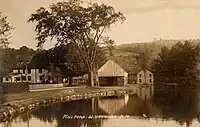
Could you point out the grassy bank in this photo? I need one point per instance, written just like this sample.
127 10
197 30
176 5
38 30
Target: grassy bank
15 87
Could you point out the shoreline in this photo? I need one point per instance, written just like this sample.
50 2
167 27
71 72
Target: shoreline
12 109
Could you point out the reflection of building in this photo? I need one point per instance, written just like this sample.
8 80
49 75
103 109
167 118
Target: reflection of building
113 105
31 75
145 92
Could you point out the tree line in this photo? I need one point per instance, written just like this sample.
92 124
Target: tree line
62 60
180 64
71 22
79 31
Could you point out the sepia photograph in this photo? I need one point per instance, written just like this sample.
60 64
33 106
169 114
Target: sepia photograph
99 63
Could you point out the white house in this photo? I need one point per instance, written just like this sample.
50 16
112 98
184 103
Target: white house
31 75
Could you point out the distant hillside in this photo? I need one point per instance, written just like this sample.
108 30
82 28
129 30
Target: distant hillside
125 54
154 47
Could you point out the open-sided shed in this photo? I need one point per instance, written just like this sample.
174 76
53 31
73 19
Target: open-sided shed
112 74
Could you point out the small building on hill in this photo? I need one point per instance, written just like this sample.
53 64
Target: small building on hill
112 74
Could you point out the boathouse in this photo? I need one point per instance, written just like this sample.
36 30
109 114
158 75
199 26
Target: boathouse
112 74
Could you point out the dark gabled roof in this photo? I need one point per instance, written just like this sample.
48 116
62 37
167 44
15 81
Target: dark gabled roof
135 69
12 74
129 65
31 65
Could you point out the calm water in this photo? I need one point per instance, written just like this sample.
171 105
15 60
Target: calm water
147 108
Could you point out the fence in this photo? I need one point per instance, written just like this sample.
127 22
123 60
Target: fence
44 86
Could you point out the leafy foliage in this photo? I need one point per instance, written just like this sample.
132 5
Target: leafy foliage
65 58
5 34
178 64
11 58
73 22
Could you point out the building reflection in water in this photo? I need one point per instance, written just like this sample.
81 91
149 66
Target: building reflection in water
112 105
144 105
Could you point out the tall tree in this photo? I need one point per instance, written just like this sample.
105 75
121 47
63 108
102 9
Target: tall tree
72 21
179 64
110 46
63 57
144 60
11 58
5 29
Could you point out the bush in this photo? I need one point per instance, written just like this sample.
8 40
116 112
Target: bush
15 87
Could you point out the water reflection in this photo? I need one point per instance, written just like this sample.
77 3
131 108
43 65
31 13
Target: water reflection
147 107
57 111
179 104
113 105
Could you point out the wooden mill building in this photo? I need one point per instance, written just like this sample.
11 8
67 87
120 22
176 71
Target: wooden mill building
112 74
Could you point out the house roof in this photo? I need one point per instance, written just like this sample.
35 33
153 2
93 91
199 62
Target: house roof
134 70
13 74
31 65
129 65
111 68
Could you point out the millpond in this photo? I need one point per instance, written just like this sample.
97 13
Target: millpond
146 108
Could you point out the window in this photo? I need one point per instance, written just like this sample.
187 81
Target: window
140 75
18 71
24 71
41 77
150 80
17 78
40 70
140 80
29 78
23 78
150 75
29 71
49 77
7 79
75 81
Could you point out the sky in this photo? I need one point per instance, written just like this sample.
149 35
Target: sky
145 20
